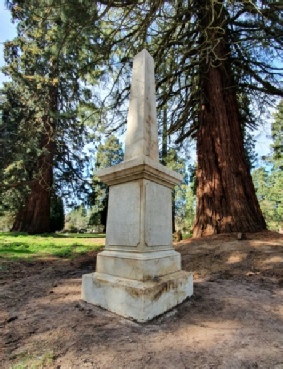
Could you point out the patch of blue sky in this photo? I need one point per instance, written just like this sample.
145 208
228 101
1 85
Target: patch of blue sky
7 32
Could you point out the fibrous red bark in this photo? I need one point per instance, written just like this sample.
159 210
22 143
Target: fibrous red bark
226 199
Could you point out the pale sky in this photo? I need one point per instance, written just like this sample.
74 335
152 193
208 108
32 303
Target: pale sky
8 32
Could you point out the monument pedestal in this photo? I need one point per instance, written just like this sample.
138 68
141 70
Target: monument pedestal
140 300
139 275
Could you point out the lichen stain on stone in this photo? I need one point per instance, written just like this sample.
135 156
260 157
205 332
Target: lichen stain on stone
165 286
156 290
135 292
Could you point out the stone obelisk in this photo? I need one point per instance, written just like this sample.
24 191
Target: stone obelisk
139 275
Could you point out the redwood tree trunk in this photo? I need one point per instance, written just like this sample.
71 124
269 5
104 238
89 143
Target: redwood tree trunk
226 199
34 216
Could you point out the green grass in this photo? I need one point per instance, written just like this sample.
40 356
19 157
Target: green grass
24 246
28 361
187 235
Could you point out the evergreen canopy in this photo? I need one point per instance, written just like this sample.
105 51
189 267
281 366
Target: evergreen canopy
216 60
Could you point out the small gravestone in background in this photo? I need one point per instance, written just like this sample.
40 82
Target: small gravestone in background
139 274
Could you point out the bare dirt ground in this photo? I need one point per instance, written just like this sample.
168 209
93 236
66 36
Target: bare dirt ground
234 319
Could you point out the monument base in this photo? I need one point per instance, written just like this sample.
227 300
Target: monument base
139 300
141 266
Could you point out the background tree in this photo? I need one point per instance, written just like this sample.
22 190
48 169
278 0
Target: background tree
276 193
108 154
269 182
175 162
49 62
190 209
277 135
77 219
170 157
57 218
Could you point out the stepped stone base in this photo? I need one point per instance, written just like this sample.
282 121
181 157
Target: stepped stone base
135 299
138 266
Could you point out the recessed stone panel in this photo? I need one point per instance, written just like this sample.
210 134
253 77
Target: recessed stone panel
123 222
158 215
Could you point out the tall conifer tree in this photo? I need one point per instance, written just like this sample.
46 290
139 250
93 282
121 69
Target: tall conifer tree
208 55
55 53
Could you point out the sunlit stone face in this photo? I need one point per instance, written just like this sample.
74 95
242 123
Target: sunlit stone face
142 136
139 274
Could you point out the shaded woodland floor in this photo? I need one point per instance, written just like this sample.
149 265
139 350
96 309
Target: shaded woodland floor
233 320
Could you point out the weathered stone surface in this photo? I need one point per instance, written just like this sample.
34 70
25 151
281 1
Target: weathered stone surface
139 216
123 220
139 168
141 301
139 266
142 135
139 273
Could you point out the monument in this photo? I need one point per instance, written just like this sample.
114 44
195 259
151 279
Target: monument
139 275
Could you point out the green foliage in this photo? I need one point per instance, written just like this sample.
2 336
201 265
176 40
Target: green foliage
77 219
61 47
6 221
190 209
23 246
178 164
57 218
57 51
269 190
249 145
182 37
277 135
269 184
184 197
108 154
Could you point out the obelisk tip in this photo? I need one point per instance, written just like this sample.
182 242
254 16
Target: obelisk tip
142 136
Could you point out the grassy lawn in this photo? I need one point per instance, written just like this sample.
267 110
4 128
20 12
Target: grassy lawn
24 246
